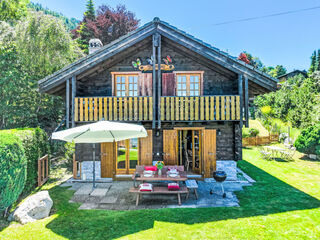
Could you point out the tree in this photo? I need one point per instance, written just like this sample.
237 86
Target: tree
44 45
82 33
277 71
313 62
12 10
90 13
109 24
318 61
37 47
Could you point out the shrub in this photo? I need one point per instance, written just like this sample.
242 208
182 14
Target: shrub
35 145
12 169
253 132
309 140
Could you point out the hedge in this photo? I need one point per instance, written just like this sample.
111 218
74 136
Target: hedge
35 145
309 140
13 169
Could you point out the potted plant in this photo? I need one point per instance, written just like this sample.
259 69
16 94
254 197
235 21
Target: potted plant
159 166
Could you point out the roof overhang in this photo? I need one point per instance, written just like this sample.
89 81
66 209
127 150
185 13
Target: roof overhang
170 32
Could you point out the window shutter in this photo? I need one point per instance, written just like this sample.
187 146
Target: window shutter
168 84
145 86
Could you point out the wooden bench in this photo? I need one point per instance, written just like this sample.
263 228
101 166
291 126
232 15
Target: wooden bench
192 184
159 190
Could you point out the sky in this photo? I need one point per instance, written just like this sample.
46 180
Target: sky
288 40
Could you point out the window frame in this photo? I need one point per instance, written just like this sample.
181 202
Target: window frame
188 74
127 90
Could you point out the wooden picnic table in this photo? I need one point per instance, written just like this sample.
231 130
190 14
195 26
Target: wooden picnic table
139 176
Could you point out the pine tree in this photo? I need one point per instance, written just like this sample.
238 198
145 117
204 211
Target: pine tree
313 62
318 61
90 13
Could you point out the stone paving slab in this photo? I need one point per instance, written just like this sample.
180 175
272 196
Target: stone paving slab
99 192
85 189
88 206
109 199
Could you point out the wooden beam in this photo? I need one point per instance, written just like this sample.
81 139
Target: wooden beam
240 90
73 93
154 80
159 79
246 100
67 102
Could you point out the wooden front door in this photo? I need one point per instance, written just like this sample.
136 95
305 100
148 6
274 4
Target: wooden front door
145 149
170 147
209 151
107 157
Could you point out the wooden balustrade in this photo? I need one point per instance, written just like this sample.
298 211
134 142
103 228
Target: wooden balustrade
202 108
89 109
43 170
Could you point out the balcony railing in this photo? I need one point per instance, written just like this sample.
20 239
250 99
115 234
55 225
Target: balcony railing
88 109
202 108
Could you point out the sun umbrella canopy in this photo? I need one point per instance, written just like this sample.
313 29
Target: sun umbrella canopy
102 131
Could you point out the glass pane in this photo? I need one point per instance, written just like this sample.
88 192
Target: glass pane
184 79
179 78
196 78
184 93
179 93
184 86
135 79
121 155
191 78
130 79
135 93
123 87
196 93
191 86
123 94
133 153
123 79
130 86
135 87
196 86
118 93
179 86
118 79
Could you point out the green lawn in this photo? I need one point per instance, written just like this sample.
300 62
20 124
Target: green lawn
257 125
283 204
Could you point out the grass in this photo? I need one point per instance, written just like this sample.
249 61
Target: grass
257 125
284 203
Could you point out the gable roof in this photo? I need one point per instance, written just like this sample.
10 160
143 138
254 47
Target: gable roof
165 29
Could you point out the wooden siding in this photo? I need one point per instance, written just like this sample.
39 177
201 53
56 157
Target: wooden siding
202 108
145 149
113 109
107 159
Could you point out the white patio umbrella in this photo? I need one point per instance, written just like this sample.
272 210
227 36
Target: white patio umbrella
102 131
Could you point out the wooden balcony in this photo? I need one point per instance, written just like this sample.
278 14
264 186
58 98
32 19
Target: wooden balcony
89 109
202 108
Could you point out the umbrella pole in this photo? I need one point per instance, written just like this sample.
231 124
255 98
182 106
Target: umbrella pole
94 165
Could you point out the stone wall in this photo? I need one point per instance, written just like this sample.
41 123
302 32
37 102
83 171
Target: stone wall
230 167
86 170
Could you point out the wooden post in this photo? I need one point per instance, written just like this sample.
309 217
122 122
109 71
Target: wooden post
73 92
246 100
240 89
67 103
154 81
159 79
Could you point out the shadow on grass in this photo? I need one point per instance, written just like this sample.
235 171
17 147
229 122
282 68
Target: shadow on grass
267 196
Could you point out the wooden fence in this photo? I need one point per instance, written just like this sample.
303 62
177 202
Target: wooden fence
88 109
202 108
43 170
256 141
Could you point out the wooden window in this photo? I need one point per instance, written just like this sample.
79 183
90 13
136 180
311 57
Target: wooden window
126 85
188 84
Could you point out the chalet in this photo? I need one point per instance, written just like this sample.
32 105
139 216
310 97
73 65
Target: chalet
190 96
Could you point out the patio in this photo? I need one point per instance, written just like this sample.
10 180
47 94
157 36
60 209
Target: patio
115 195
